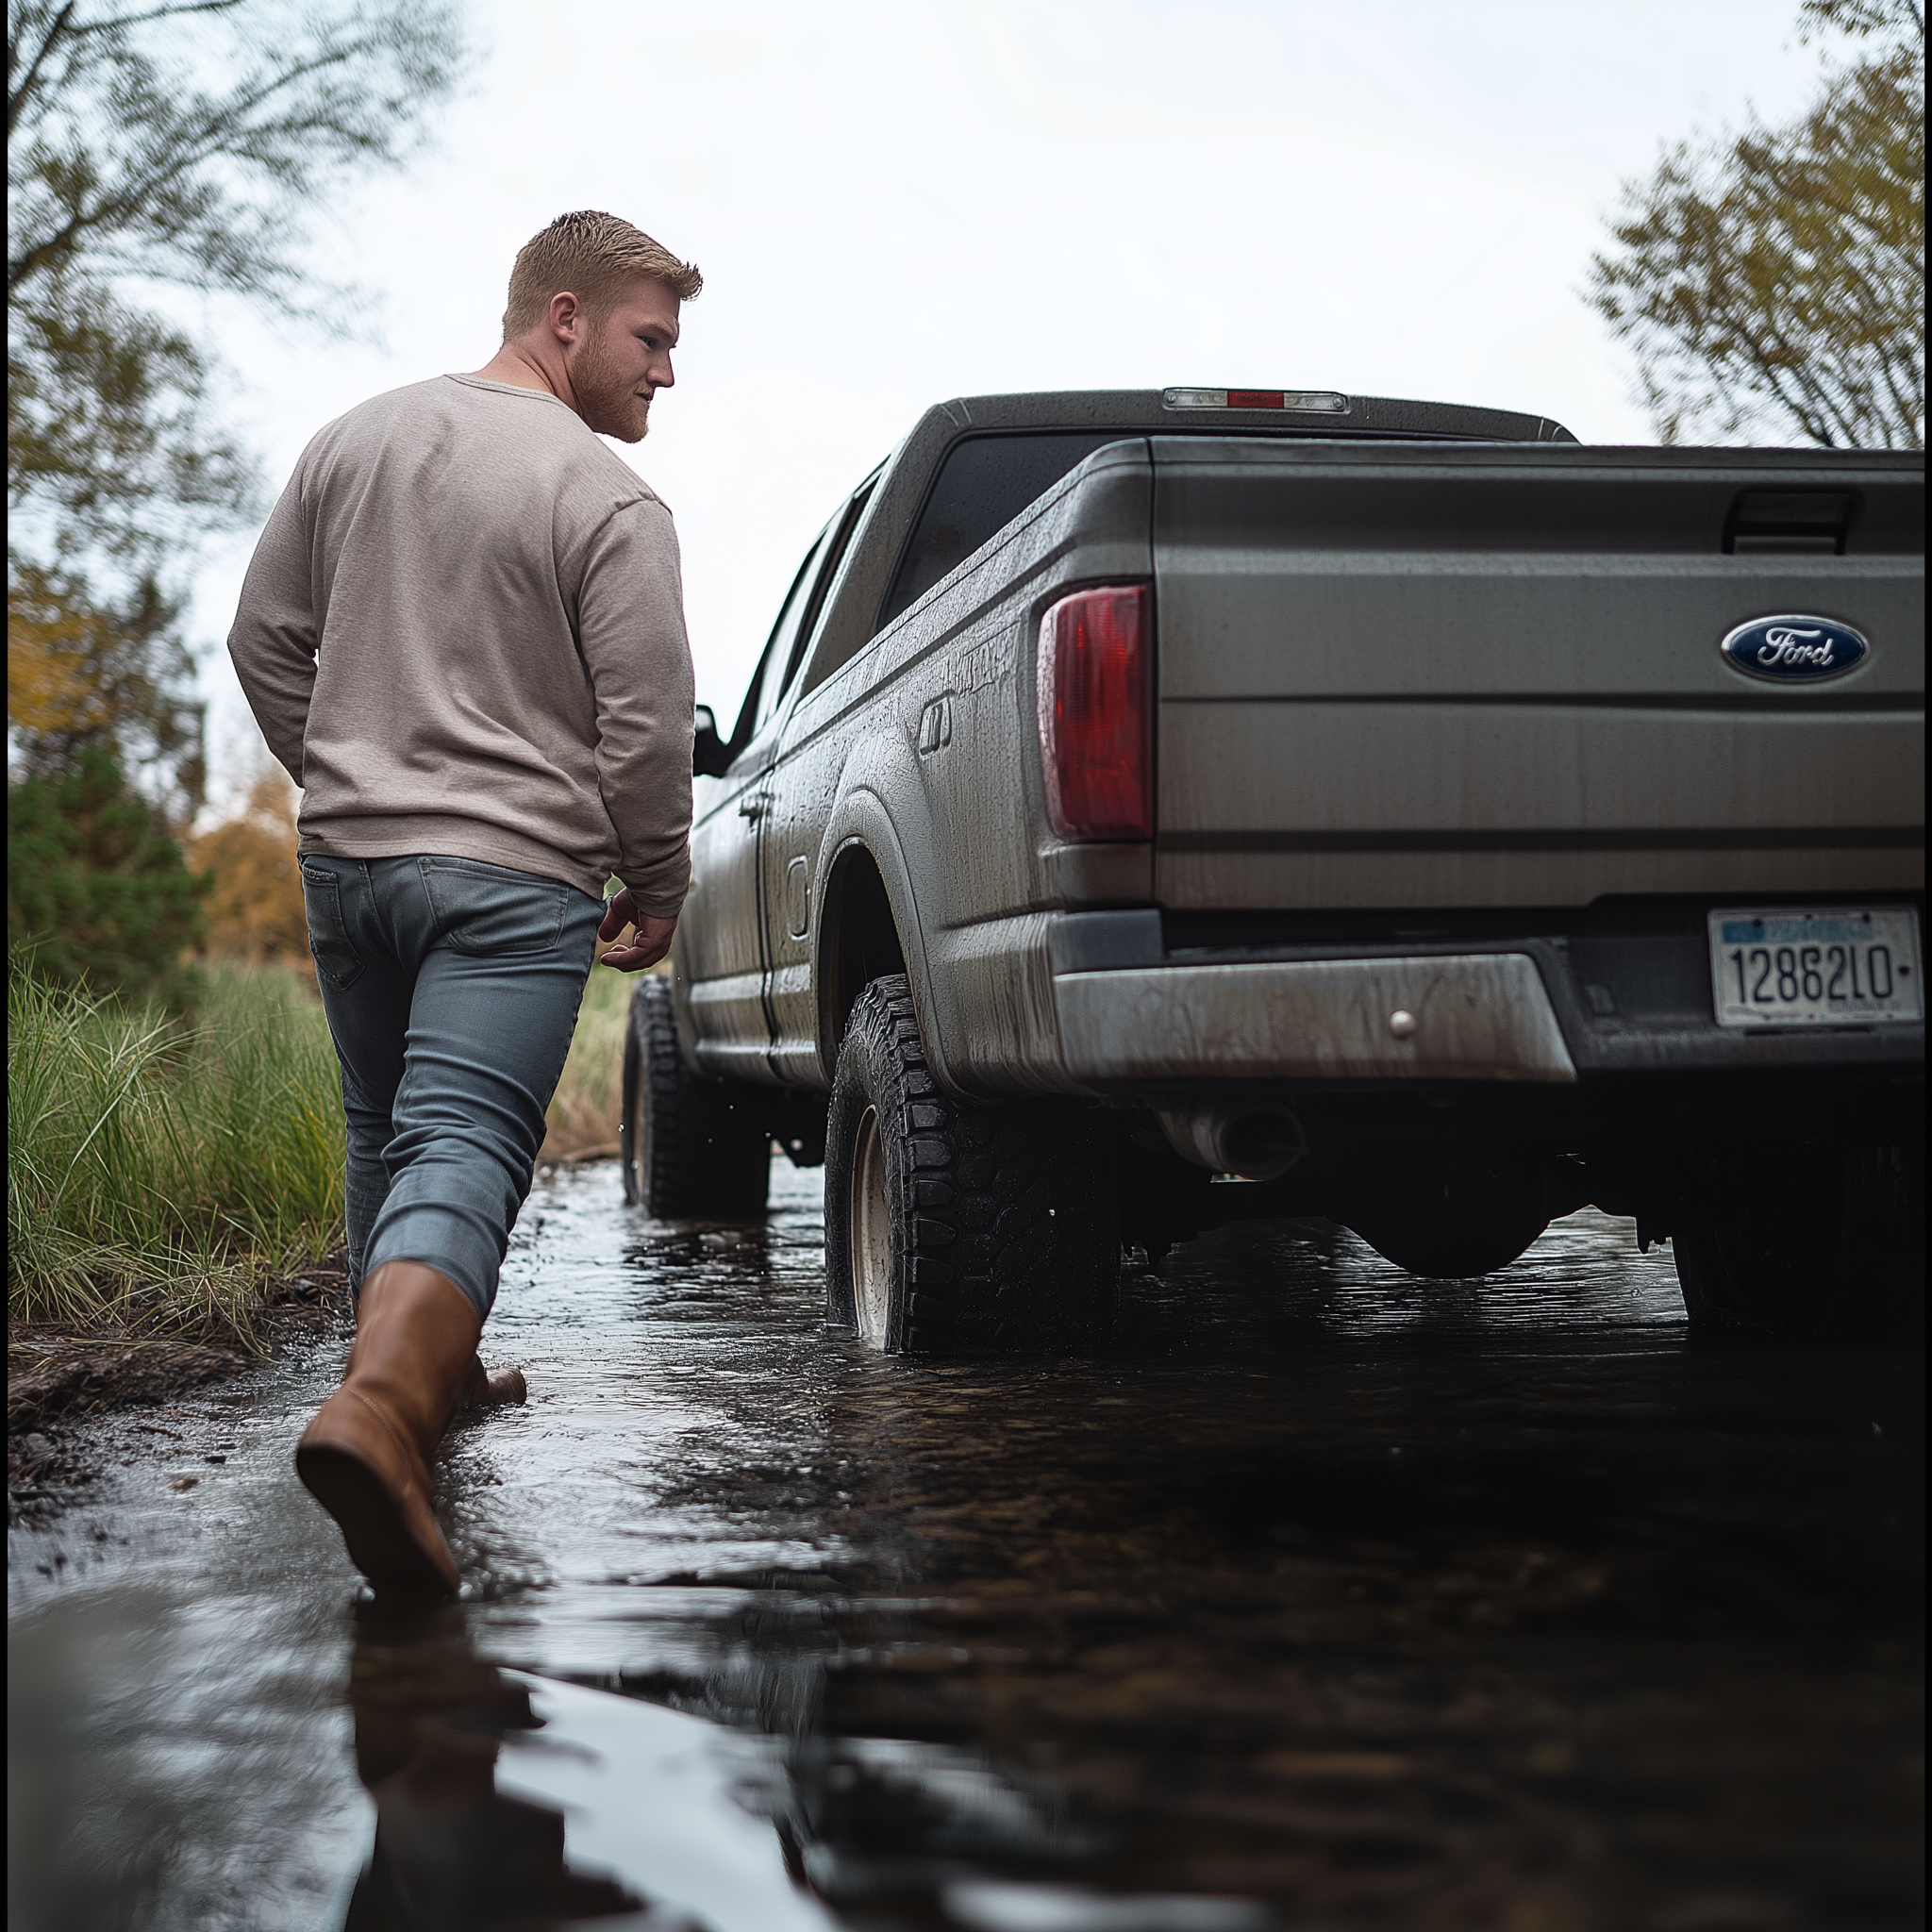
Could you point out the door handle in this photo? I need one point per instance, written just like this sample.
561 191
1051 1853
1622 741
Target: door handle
753 805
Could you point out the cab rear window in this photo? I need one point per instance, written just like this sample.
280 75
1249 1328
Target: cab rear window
987 479
984 483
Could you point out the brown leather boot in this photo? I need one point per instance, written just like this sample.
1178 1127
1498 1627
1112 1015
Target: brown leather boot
489 1388
365 1456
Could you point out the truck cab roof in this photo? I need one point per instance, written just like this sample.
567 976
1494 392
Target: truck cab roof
1268 413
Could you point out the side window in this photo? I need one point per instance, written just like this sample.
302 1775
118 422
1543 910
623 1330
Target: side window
835 556
769 678
803 601
835 553
784 648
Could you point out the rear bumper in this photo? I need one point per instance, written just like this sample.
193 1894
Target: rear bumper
1459 1016
1552 1012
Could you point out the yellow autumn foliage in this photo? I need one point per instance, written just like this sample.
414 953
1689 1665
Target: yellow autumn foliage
47 685
254 910
54 646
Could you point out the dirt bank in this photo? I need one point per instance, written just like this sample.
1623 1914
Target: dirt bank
57 1377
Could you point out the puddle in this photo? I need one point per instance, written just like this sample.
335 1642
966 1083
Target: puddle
1326 1595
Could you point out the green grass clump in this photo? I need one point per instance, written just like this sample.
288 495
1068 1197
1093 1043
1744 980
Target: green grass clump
156 1166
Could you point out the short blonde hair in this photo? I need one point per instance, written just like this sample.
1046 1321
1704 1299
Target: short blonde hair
592 255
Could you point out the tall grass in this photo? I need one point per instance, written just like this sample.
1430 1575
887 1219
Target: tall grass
583 1115
156 1166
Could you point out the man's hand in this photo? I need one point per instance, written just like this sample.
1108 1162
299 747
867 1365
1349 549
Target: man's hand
648 944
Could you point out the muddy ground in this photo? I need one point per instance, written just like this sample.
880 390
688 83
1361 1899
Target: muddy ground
60 1379
1321 1598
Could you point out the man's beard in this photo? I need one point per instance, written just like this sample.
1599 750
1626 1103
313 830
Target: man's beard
606 401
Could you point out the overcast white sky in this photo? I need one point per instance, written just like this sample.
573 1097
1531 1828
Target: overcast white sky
897 203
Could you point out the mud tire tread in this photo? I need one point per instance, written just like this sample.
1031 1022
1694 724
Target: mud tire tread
691 1148
1005 1219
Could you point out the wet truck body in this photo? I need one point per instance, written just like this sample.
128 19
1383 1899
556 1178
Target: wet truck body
1211 804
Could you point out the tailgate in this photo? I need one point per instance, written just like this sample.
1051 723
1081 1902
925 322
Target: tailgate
1490 676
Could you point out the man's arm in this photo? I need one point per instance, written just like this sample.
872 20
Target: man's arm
274 637
630 625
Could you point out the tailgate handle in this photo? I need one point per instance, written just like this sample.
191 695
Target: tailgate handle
1789 522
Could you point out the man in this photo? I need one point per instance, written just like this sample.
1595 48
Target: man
462 633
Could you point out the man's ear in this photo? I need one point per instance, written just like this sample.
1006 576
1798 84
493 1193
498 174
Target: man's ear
566 316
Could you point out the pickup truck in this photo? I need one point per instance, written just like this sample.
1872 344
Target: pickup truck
1154 809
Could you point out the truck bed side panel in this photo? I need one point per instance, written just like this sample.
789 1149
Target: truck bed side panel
935 719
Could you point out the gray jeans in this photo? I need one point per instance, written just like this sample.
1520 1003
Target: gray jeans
452 990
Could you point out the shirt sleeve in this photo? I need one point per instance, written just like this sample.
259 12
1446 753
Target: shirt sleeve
274 640
630 628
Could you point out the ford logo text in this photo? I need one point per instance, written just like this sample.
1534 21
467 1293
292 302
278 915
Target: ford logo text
1796 649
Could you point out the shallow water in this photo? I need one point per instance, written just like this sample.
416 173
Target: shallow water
1325 1596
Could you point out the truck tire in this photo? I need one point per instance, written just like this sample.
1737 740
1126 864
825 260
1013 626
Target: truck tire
1843 1255
955 1230
691 1148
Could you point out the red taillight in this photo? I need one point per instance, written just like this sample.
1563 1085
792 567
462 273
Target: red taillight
1095 741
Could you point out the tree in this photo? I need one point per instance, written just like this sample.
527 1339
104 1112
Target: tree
1774 285
254 910
83 671
166 146
96 893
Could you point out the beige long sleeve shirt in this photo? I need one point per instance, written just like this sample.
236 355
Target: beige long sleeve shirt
462 632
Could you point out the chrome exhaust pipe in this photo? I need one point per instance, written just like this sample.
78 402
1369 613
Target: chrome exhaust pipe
1258 1143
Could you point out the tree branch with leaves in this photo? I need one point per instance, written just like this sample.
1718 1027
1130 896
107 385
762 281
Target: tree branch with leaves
1772 286
150 151
181 147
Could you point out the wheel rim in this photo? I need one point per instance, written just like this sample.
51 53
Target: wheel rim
871 1232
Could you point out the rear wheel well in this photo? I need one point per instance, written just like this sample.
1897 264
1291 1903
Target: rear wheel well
861 939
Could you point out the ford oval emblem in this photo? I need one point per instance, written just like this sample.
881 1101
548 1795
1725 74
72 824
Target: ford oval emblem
1795 650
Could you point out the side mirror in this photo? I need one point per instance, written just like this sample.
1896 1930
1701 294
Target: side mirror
709 758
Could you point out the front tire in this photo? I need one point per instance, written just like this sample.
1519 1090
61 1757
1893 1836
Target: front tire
691 1148
953 1230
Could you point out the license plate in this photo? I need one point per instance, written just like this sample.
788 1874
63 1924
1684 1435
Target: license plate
1842 966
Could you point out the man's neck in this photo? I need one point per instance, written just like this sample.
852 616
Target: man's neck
514 365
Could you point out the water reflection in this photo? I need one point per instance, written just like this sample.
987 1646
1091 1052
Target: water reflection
1321 1595
452 1851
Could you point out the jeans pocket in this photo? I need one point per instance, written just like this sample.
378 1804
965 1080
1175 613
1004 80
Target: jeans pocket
328 936
492 911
